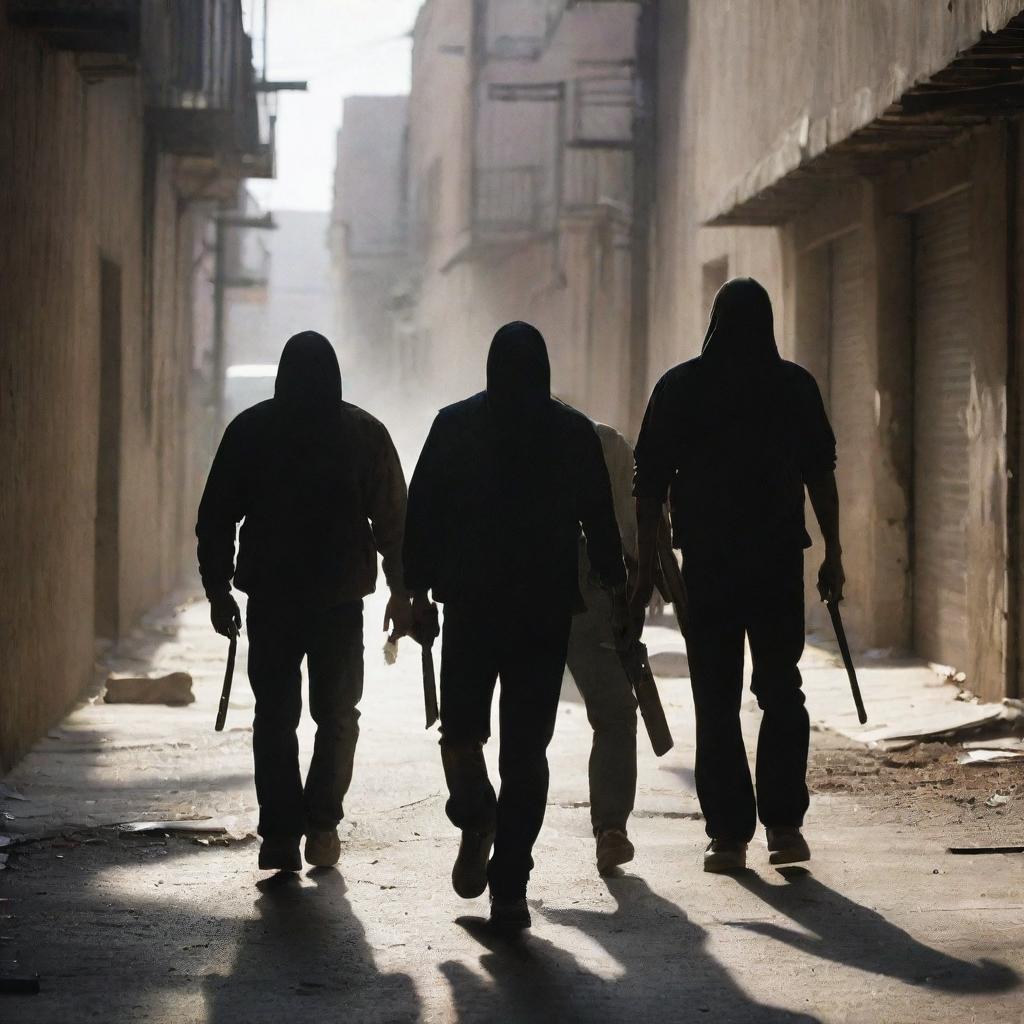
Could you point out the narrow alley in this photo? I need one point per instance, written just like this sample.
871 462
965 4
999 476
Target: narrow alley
555 334
886 925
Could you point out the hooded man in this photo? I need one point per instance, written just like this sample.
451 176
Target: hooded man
503 486
320 488
733 437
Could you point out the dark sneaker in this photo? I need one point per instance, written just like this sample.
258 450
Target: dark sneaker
786 845
724 856
510 914
323 848
280 853
469 876
613 849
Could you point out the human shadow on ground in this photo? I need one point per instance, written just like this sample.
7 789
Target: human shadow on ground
661 970
306 953
845 932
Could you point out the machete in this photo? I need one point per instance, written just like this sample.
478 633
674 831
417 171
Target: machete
844 650
426 635
638 672
225 693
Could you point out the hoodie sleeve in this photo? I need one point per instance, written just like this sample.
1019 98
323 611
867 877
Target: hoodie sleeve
597 512
387 507
424 529
220 511
817 442
653 456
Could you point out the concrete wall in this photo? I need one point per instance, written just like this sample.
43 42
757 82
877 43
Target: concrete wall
77 188
733 117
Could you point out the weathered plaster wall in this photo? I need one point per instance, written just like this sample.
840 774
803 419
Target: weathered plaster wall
729 105
71 163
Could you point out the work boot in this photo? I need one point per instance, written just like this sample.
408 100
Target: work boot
280 853
786 845
613 849
724 856
323 848
510 913
469 876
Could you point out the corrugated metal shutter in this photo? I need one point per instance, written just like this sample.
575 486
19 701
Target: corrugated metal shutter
944 322
850 393
852 416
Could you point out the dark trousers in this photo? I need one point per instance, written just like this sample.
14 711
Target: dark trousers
478 646
611 709
766 606
331 640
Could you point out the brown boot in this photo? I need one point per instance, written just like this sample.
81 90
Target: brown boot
786 845
613 849
323 848
724 856
469 876
510 914
280 853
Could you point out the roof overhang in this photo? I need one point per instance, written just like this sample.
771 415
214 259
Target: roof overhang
983 82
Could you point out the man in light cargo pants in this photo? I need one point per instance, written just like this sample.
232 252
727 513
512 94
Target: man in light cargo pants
599 676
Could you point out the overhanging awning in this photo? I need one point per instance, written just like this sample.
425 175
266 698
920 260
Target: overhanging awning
983 82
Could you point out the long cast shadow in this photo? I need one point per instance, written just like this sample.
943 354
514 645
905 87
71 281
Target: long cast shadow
847 933
664 973
307 953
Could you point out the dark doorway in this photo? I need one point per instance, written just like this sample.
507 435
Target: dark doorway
108 456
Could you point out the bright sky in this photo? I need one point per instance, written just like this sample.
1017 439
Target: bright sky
343 48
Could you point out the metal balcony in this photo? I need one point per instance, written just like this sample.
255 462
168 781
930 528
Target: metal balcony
200 83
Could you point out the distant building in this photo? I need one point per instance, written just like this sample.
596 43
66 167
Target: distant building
368 237
520 189
279 283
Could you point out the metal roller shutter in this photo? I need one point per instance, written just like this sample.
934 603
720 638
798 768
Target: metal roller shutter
943 326
852 416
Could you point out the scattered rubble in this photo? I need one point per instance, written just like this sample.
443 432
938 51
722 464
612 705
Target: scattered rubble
174 689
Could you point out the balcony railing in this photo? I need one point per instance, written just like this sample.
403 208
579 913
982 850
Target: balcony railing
200 82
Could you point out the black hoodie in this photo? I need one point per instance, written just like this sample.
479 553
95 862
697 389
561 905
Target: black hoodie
504 483
318 484
732 436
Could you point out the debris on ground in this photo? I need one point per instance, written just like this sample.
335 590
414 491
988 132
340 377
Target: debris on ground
944 723
989 755
985 849
202 826
10 793
174 689
997 800
213 832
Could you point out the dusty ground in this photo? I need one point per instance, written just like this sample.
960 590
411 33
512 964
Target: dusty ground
885 926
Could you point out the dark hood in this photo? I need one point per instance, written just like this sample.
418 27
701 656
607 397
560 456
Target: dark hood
741 333
518 372
308 375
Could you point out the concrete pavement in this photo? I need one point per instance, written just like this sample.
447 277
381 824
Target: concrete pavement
885 926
